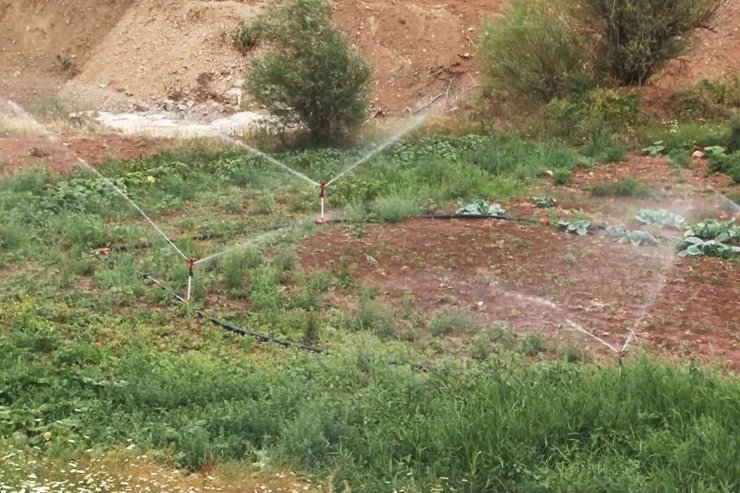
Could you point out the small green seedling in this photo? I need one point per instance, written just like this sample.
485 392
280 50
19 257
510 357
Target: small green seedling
480 207
580 227
544 202
637 238
655 149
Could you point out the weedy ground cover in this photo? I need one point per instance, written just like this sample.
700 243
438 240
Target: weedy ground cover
92 357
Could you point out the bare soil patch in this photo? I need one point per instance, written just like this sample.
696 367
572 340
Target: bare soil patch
537 279
19 153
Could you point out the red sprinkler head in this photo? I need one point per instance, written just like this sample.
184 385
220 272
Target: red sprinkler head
191 264
322 189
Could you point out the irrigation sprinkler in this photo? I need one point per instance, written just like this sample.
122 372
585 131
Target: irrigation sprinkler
191 264
322 194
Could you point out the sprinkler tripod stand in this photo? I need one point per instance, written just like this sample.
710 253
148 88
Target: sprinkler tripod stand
321 221
191 264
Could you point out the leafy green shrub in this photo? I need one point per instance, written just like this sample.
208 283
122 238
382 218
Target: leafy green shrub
265 204
530 53
394 208
309 75
236 265
634 38
359 190
628 187
593 117
247 36
719 162
524 160
680 157
374 317
13 234
604 149
733 143
712 100
532 344
264 288
449 322
563 177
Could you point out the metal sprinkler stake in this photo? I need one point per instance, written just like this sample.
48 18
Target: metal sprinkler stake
191 264
322 188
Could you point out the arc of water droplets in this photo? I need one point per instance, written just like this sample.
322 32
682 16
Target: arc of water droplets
271 159
415 123
134 205
249 242
45 131
549 304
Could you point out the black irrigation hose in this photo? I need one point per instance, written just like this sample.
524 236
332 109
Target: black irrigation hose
421 367
236 329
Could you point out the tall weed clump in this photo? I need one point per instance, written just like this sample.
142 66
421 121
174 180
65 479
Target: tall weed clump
309 75
530 53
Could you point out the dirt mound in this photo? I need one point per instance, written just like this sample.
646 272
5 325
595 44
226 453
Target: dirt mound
183 49
171 48
416 48
127 50
43 43
713 53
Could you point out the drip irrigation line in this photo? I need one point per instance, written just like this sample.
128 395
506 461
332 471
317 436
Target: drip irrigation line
234 328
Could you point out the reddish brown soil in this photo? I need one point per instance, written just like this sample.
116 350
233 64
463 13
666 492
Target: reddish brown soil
692 191
19 153
537 279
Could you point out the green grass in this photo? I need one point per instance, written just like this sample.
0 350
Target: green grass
688 136
393 209
311 413
449 322
628 187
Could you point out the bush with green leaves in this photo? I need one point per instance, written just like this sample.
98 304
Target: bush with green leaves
309 75
530 53
247 36
712 99
593 116
394 208
733 143
720 162
628 187
632 39
562 177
